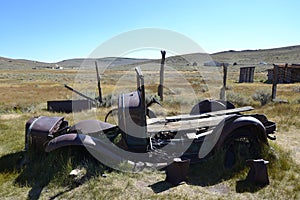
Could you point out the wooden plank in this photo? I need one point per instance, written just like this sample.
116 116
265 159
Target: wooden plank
185 126
209 114
193 136
156 121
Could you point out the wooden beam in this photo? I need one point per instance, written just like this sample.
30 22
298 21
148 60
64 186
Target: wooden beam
209 114
185 126
275 81
223 89
98 84
160 91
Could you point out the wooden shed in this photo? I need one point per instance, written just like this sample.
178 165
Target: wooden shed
246 74
286 73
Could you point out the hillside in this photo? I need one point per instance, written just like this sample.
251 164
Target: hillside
246 57
253 57
7 63
110 61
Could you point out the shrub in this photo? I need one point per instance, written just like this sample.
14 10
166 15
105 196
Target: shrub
297 101
262 96
107 101
204 88
296 89
237 99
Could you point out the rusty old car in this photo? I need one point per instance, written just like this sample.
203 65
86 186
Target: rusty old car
211 126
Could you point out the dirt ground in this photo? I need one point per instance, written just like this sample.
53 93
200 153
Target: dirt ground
290 141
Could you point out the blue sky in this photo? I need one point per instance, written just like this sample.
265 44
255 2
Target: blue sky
53 30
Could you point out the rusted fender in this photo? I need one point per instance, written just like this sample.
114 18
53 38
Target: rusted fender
69 140
233 124
91 126
222 131
103 146
103 150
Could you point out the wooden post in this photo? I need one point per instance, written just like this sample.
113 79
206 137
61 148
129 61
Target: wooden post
141 87
161 79
223 89
224 75
275 80
99 84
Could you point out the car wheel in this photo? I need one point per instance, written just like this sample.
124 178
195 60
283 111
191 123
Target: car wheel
241 145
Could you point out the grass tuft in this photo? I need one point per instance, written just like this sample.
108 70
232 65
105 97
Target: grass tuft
262 96
238 99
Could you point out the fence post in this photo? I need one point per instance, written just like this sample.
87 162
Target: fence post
98 84
161 79
223 89
275 80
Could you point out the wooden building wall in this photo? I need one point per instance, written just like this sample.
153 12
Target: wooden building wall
286 74
246 74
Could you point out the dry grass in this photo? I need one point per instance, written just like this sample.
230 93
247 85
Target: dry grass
24 94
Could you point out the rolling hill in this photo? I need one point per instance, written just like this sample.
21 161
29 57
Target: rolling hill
289 54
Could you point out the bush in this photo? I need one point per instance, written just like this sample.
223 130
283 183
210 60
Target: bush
204 88
108 101
296 89
263 96
237 99
297 101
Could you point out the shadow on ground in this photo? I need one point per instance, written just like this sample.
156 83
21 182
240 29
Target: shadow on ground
36 171
211 173
247 186
161 186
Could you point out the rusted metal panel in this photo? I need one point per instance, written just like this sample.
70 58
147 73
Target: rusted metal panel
91 126
177 172
39 130
132 119
258 173
69 106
